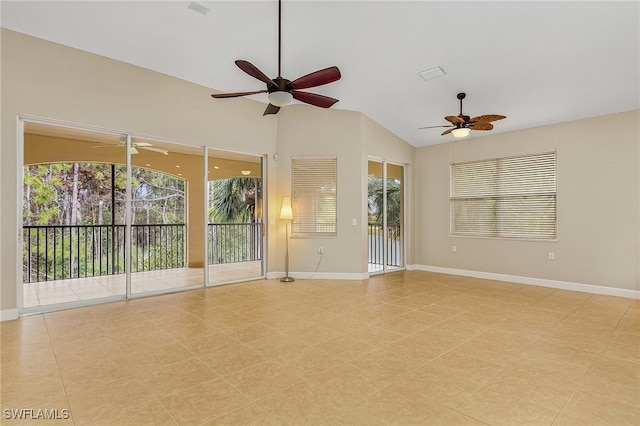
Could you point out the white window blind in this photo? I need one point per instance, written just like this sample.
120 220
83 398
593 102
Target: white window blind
314 195
512 197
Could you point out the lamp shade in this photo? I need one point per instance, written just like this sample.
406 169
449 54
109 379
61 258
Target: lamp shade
461 132
280 98
286 213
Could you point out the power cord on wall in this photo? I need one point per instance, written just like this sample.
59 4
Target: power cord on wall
317 267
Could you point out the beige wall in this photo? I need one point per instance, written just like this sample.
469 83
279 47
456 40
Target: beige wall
352 137
310 131
597 204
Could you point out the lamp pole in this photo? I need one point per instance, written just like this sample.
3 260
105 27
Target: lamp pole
286 214
287 278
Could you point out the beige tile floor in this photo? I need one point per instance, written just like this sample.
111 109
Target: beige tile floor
79 289
408 348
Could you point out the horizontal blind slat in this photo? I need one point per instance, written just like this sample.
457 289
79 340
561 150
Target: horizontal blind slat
512 197
314 195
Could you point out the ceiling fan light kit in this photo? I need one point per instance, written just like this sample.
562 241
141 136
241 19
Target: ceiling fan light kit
461 132
282 91
461 125
280 98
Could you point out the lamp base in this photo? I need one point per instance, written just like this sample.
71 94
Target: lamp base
287 279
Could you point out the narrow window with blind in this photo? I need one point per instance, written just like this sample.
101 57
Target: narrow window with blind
314 197
513 197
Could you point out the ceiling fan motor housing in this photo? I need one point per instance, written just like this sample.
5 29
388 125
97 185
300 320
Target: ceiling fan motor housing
281 85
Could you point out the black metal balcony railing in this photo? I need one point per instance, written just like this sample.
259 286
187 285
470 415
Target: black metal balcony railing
376 245
64 252
157 247
234 242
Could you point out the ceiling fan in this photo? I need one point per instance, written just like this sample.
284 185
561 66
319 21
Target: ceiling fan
280 90
462 124
135 146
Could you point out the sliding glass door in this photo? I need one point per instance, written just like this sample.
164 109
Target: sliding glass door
107 216
385 200
167 209
234 209
73 216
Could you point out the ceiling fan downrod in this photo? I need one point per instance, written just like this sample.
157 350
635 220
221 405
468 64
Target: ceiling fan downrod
461 96
279 38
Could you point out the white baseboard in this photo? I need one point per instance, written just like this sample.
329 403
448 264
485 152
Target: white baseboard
561 285
8 314
320 275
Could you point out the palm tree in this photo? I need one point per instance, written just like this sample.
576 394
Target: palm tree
234 201
375 201
376 197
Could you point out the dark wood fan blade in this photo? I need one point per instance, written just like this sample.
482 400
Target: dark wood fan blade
487 118
433 127
446 132
314 99
271 109
237 94
454 119
481 126
317 78
254 72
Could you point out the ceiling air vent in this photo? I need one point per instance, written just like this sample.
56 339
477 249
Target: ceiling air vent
432 73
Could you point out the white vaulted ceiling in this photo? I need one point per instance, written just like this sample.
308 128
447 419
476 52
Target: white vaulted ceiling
538 62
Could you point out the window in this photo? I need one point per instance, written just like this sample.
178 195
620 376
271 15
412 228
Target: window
511 197
314 196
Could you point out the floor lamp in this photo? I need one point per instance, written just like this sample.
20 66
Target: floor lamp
286 214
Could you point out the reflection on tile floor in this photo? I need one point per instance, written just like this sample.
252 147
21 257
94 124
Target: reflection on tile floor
408 348
78 289
376 267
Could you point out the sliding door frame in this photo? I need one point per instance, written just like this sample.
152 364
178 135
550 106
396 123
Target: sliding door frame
403 232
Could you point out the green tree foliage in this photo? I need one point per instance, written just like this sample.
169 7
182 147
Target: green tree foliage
158 198
375 200
42 192
235 200
84 196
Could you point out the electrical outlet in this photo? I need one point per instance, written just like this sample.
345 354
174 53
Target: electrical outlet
552 255
454 249
320 250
